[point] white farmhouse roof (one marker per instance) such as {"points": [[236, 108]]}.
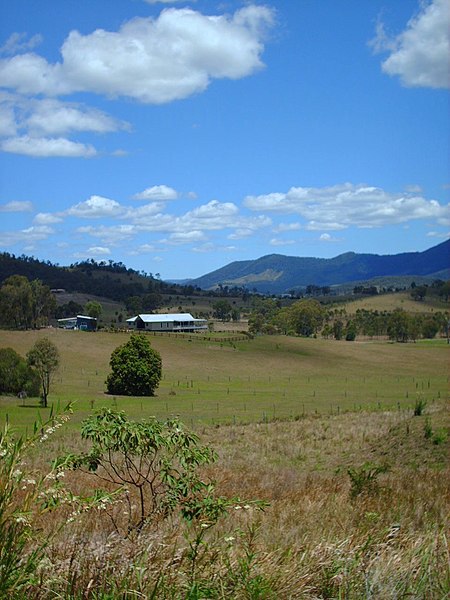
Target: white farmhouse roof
{"points": [[164, 318]]}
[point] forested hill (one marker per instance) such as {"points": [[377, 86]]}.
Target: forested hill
{"points": [[275, 273], [109, 280]]}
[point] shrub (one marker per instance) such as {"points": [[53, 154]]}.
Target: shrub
{"points": [[364, 478], [419, 407], [155, 463], [136, 368]]}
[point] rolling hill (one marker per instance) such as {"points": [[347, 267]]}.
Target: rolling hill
{"points": [[278, 274]]}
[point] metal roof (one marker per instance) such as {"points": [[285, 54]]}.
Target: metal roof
{"points": [[164, 318]]}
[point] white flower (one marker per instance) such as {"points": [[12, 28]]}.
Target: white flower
{"points": [[229, 539]]}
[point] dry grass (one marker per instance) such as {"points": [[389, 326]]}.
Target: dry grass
{"points": [[315, 540], [390, 302]]}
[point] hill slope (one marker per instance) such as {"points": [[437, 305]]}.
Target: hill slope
{"points": [[277, 274]]}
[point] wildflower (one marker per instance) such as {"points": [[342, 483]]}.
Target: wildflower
{"points": [[237, 507], [229, 539], [247, 507]]}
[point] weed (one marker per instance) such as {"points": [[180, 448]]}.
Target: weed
{"points": [[419, 406], [363, 479]]}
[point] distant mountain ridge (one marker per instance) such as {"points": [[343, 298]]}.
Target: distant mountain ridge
{"points": [[278, 274]]}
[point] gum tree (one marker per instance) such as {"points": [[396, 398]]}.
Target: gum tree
{"points": [[44, 358]]}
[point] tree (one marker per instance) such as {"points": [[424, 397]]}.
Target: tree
{"points": [[16, 301], [43, 303], [136, 368], [306, 316], [222, 310], [44, 357], [399, 325], [15, 375], [93, 308]]}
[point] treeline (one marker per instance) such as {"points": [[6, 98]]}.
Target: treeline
{"points": [[25, 304], [308, 317], [110, 280]]}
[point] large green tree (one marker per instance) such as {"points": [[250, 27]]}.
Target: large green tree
{"points": [[306, 317], [23, 304], [93, 309], [16, 302], [44, 357], [16, 375], [135, 368]]}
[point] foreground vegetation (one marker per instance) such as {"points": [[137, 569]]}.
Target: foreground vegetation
{"points": [[346, 442]]}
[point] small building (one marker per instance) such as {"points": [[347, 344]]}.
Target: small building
{"points": [[178, 322], [81, 322]]}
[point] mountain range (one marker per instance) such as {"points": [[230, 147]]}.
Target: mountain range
{"points": [[278, 274]]}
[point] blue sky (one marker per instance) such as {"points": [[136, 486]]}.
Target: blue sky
{"points": [[179, 136]]}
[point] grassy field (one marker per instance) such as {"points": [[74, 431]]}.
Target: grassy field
{"points": [[290, 420], [269, 377], [390, 302]]}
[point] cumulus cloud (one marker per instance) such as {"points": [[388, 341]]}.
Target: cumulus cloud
{"points": [[46, 219], [27, 124], [341, 206], [420, 54], [157, 192], [47, 147], [109, 234], [29, 235], [16, 206], [186, 237], [52, 117], [151, 60], [96, 207], [326, 237]]}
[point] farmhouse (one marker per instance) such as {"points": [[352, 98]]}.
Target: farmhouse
{"points": [[79, 322], [168, 322]]}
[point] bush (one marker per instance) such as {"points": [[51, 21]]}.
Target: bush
{"points": [[15, 375], [136, 368]]}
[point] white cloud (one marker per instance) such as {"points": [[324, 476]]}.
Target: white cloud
{"points": [[157, 192], [16, 206], [8, 125], [186, 237], [144, 249], [29, 235], [341, 206], [47, 147], [46, 218], [52, 117], [96, 207], [109, 235], [278, 242], [210, 247], [28, 122], [326, 237], [150, 60], [98, 250], [438, 234], [420, 54], [287, 227], [241, 234], [18, 42], [142, 213]]}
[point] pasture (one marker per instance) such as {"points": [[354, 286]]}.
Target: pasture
{"points": [[300, 423], [207, 382]]}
